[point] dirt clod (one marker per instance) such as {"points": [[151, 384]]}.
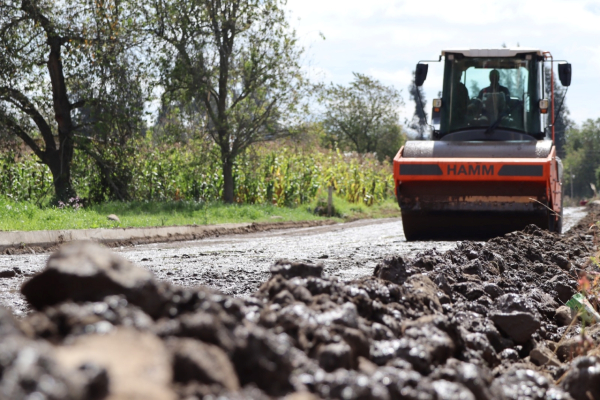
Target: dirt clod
{"points": [[516, 317], [7, 273], [87, 272], [197, 361], [542, 355], [288, 269], [564, 316], [583, 380]]}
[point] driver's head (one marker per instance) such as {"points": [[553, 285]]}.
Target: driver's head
{"points": [[494, 77]]}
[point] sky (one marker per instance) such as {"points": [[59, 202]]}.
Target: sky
{"points": [[386, 38]]}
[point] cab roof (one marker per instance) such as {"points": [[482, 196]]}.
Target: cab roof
{"points": [[503, 52]]}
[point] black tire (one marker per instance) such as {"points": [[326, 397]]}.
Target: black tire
{"points": [[453, 225], [559, 224], [553, 224], [409, 226]]}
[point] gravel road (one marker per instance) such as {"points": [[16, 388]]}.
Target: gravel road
{"points": [[238, 264]]}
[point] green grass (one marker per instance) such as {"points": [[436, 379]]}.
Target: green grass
{"points": [[27, 216]]}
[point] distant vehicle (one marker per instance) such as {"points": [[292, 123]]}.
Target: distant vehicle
{"points": [[491, 166]]}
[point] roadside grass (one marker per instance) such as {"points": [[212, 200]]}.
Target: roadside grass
{"points": [[27, 216]]}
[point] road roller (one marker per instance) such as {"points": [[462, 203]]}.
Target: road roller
{"points": [[490, 166]]}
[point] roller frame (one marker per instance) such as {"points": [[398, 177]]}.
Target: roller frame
{"points": [[447, 194]]}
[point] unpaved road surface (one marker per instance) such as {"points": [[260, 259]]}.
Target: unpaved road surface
{"points": [[238, 264]]}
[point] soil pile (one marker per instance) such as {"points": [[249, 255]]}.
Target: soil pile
{"points": [[481, 321]]}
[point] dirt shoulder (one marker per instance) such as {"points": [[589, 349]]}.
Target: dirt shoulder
{"points": [[20, 242]]}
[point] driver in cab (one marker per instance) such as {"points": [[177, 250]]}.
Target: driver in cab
{"points": [[495, 86], [493, 99]]}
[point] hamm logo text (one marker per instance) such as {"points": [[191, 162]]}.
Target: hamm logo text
{"points": [[470, 170]]}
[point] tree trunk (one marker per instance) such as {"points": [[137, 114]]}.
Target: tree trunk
{"points": [[60, 166], [228, 181], [60, 160], [58, 152]]}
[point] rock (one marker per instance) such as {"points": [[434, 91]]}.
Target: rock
{"points": [[113, 217], [564, 316], [424, 291], [477, 379], [583, 379], [516, 317], [571, 348], [481, 345], [542, 355], [348, 384], [265, 359], [473, 322], [366, 367], [84, 271], [301, 396], [8, 324], [526, 384], [393, 269], [544, 303], [335, 355], [438, 343], [97, 383], [284, 298], [446, 390], [75, 319], [426, 262], [509, 354], [564, 287], [403, 383], [302, 294], [247, 393], [493, 290], [199, 325], [201, 362], [426, 348], [138, 364], [30, 371], [289, 269], [471, 290], [561, 261], [7, 273]]}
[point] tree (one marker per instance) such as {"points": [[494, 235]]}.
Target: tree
{"points": [[51, 62], [562, 123], [363, 115], [419, 119], [582, 158], [239, 59], [390, 142], [110, 122]]}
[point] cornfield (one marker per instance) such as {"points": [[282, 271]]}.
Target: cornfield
{"points": [[277, 174]]}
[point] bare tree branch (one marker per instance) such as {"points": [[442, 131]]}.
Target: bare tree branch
{"points": [[25, 105]]}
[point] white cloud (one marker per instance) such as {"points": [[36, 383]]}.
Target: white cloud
{"points": [[386, 38]]}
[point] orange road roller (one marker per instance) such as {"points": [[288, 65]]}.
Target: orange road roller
{"points": [[491, 166]]}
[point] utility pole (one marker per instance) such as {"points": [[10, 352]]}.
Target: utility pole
{"points": [[572, 177], [330, 201]]}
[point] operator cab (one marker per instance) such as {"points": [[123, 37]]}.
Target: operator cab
{"points": [[491, 95]]}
